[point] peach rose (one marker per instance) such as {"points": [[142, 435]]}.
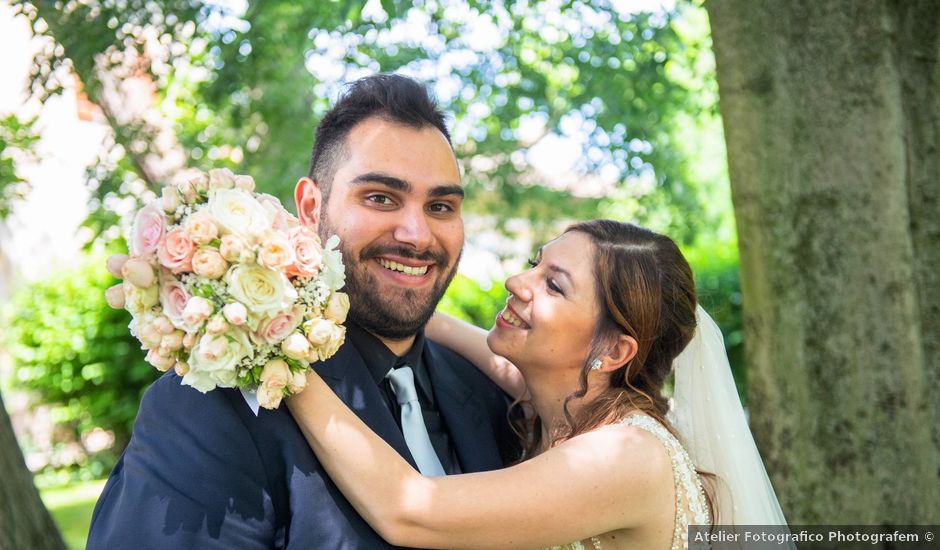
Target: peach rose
{"points": [[245, 183], [207, 262], [338, 307], [115, 296], [176, 251], [308, 254], [234, 249], [275, 251], [216, 325], [274, 378], [159, 361], [298, 383], [201, 228], [197, 310], [270, 398], [149, 225], [181, 368], [221, 178], [187, 192], [138, 272], [116, 264]]}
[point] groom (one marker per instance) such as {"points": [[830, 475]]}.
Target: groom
{"points": [[204, 471]]}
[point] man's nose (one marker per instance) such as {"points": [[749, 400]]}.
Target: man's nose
{"points": [[413, 229]]}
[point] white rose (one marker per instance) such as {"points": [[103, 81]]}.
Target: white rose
{"points": [[263, 292], [238, 213], [212, 362]]}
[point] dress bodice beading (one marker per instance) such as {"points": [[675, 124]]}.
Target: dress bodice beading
{"points": [[691, 505]]}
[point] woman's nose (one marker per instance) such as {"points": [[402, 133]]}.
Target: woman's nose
{"points": [[518, 285]]}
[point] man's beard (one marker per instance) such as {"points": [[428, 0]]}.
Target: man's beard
{"points": [[397, 313]]}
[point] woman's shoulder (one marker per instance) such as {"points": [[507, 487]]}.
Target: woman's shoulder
{"points": [[630, 449]]}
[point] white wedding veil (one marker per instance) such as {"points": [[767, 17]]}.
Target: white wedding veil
{"points": [[709, 418]]}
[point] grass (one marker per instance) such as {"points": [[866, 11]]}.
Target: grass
{"points": [[71, 507]]}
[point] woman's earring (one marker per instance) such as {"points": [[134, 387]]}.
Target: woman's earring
{"points": [[596, 364]]}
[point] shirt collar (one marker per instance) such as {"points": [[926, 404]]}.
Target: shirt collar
{"points": [[380, 360]]}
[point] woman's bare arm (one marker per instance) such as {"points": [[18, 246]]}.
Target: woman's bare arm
{"points": [[470, 342], [612, 478]]}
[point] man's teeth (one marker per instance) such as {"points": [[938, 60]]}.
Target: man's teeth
{"points": [[408, 270], [513, 320]]}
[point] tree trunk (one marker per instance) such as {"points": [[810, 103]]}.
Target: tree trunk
{"points": [[24, 521], [831, 112]]}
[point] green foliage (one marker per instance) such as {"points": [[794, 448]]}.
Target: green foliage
{"points": [[246, 90], [466, 300], [17, 139], [717, 280], [76, 353]]}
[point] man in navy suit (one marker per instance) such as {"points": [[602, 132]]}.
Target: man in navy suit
{"points": [[205, 471]]}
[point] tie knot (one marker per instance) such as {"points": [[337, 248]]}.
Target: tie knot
{"points": [[403, 384]]}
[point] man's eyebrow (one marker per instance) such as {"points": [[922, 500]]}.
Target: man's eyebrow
{"points": [[447, 190], [383, 179]]}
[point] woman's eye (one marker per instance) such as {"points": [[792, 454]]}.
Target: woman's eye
{"points": [[554, 288]]}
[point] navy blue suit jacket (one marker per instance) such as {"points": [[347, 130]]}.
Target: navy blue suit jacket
{"points": [[202, 471]]}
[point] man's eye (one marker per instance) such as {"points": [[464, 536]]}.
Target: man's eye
{"points": [[441, 207], [379, 199]]}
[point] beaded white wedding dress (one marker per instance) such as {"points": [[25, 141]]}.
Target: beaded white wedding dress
{"points": [[691, 508]]}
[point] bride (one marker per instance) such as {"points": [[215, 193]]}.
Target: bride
{"points": [[586, 341]]}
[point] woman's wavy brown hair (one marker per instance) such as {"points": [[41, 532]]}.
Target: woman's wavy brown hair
{"points": [[645, 289]]}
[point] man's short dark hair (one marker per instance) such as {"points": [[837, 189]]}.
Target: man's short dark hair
{"points": [[393, 97]]}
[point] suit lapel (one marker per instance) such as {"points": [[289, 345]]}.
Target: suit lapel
{"points": [[465, 415], [346, 373]]}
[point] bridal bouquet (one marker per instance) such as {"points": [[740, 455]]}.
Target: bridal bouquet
{"points": [[228, 288]]}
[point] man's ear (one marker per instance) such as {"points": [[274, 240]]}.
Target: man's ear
{"points": [[309, 201], [623, 350]]}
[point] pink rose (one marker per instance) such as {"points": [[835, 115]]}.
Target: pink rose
{"points": [[164, 325], [149, 225], [280, 216], [275, 252], [176, 251], [187, 192], [308, 254], [278, 328], [172, 342], [209, 263], [235, 313], [212, 347], [201, 228], [173, 296]]}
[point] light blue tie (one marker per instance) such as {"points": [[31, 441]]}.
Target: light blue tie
{"points": [[412, 422]]}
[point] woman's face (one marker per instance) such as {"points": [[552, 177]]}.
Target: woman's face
{"points": [[550, 316]]}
